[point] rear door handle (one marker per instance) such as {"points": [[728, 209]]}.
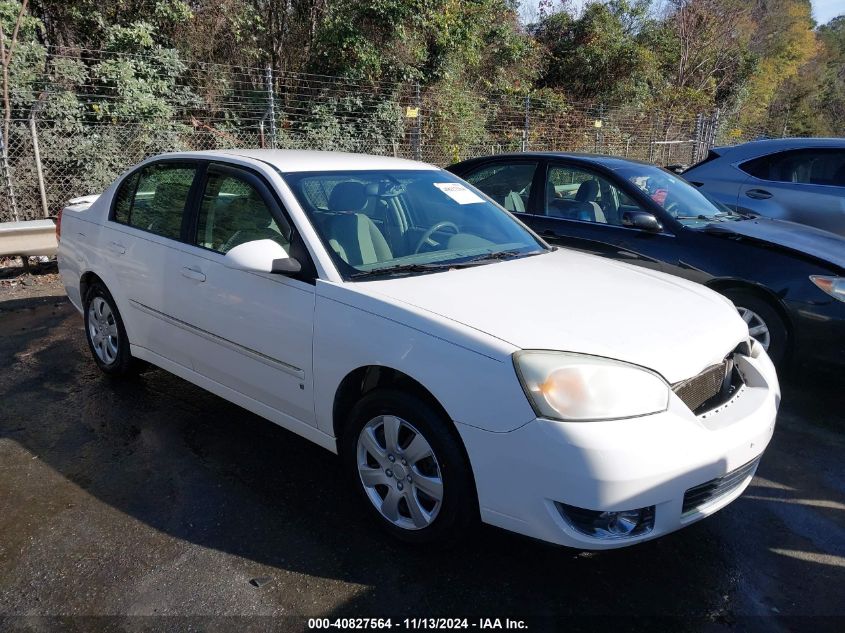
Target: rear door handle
{"points": [[549, 233], [758, 194], [193, 273], [115, 247]]}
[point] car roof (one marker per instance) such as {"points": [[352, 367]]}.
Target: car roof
{"points": [[610, 162], [768, 146], [290, 160]]}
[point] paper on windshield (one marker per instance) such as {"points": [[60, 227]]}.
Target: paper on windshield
{"points": [[458, 192]]}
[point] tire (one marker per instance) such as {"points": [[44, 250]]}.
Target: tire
{"points": [[442, 522], [106, 334], [758, 313]]}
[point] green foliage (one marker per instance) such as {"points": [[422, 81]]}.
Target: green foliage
{"points": [[812, 102], [599, 55], [425, 40], [336, 123]]}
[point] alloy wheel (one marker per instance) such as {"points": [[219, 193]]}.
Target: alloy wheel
{"points": [[757, 327], [400, 472]]}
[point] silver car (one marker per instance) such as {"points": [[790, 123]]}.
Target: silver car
{"points": [[796, 179]]}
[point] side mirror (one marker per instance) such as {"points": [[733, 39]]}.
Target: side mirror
{"points": [[641, 220], [262, 256]]}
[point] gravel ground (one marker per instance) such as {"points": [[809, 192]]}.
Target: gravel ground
{"points": [[155, 498]]}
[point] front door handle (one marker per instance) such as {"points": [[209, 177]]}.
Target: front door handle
{"points": [[118, 248], [549, 233], [193, 273], [758, 194]]}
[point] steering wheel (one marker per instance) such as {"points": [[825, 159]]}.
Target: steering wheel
{"points": [[672, 208], [426, 238]]}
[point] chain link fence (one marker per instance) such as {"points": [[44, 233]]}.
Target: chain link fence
{"points": [[83, 131]]}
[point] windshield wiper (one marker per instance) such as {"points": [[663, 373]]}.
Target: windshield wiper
{"points": [[398, 270], [487, 257], [434, 267]]}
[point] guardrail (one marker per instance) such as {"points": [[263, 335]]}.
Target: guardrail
{"points": [[28, 238]]}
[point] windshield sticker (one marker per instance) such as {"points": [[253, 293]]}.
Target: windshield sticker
{"points": [[458, 192]]}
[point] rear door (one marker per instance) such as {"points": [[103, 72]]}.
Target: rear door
{"points": [[249, 331], [802, 185], [144, 229]]}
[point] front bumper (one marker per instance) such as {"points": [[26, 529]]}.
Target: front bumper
{"points": [[523, 476]]}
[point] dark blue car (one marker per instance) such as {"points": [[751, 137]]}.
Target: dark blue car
{"points": [[786, 279]]}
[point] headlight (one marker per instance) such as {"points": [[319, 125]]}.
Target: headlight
{"points": [[834, 286], [576, 387]]}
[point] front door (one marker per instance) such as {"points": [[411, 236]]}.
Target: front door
{"points": [[248, 331], [584, 210]]}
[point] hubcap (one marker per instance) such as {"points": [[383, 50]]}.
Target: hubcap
{"points": [[757, 327], [399, 472], [102, 330]]}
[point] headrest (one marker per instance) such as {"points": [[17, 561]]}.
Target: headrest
{"points": [[348, 197], [587, 191]]}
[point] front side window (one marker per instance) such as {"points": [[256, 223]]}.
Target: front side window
{"points": [[575, 193], [381, 222], [676, 196], [154, 199], [233, 212], [807, 166], [508, 183]]}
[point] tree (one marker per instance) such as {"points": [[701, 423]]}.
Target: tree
{"points": [[703, 50], [7, 52], [784, 42], [599, 55], [812, 101]]}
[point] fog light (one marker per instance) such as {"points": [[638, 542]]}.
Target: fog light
{"points": [[609, 525]]}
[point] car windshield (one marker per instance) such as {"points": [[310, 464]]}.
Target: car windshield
{"points": [[677, 197], [377, 223]]}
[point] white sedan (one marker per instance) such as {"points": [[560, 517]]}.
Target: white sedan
{"points": [[461, 367]]}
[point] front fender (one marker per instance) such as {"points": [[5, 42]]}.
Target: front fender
{"points": [[476, 386]]}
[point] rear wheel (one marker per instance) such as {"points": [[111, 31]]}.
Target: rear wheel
{"points": [[407, 467], [106, 335], [764, 323]]}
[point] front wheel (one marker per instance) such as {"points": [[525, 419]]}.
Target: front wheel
{"points": [[764, 323], [406, 464]]}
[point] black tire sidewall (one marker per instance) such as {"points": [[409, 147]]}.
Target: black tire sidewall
{"points": [[123, 364], [459, 510], [779, 336]]}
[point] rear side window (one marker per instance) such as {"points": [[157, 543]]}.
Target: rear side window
{"points": [[759, 167], [123, 199], [154, 199], [806, 166], [509, 184]]}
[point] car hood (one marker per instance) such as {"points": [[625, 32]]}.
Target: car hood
{"points": [[570, 301], [800, 238]]}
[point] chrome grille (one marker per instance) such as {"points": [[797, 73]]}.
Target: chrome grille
{"points": [[714, 489], [698, 390]]}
